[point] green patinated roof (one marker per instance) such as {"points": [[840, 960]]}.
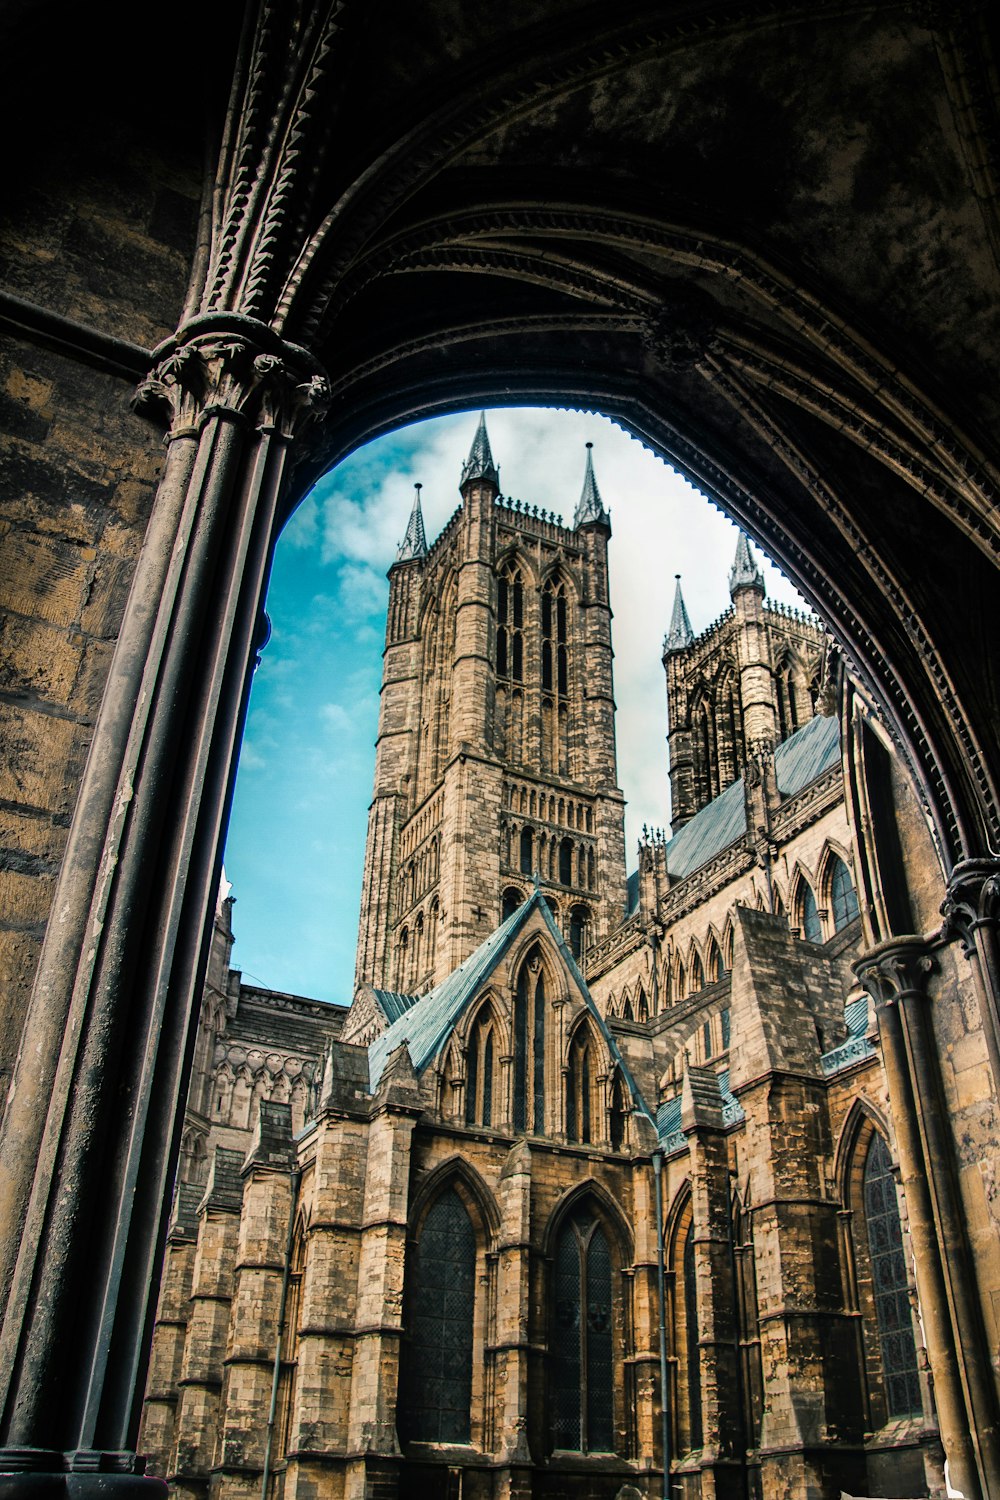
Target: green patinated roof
{"points": [[798, 761], [424, 1026]]}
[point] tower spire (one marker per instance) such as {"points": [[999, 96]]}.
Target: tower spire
{"points": [[479, 464], [591, 507], [680, 635], [745, 574], [414, 544]]}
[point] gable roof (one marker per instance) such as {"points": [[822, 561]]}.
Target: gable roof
{"points": [[798, 761], [424, 1027]]}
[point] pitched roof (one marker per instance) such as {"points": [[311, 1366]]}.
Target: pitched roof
{"points": [[806, 754], [798, 761], [392, 1004], [424, 1027]]}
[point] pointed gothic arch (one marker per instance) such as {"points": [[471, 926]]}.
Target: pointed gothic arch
{"points": [[683, 1326], [878, 1278]]}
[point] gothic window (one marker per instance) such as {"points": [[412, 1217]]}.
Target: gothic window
{"points": [[726, 1027], [579, 916], [555, 674], [401, 957], [686, 1405], [529, 1048], [616, 1114], [641, 1005], [706, 1038], [890, 1292], [526, 851], [432, 927], [510, 623], [716, 969], [511, 900], [627, 1014], [285, 1404], [697, 975], [436, 1374], [681, 986], [580, 1080], [479, 1071], [566, 862], [749, 1327], [843, 900], [581, 1349], [788, 709], [812, 928], [729, 734]]}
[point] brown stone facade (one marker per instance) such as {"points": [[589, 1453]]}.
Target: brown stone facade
{"points": [[422, 1234]]}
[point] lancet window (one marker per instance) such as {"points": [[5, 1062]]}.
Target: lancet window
{"points": [[889, 1287], [581, 1077], [436, 1374], [555, 676], [686, 1405], [579, 918], [581, 1347], [843, 898], [510, 623], [529, 1048], [481, 1054], [812, 927]]}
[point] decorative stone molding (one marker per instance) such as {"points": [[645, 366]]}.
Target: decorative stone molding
{"points": [[236, 366], [896, 970], [682, 334], [973, 900]]}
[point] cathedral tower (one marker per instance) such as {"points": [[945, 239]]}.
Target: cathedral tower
{"points": [[740, 688], [495, 759]]}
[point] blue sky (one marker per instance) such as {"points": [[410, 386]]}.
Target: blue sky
{"points": [[296, 841]]}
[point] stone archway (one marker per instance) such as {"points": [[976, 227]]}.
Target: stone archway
{"points": [[696, 218]]}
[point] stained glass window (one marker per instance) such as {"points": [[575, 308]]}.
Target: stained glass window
{"points": [[436, 1377], [811, 927], [582, 1362], [520, 1051], [889, 1284], [843, 899], [692, 1351], [538, 1101]]}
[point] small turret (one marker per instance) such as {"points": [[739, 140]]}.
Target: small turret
{"points": [[590, 510], [680, 635], [414, 544], [479, 465], [745, 574]]}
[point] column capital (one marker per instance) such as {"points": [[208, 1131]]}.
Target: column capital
{"points": [[897, 969], [973, 900], [237, 366]]}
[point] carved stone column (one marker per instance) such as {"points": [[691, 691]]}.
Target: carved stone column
{"points": [[89, 1138], [972, 914], [896, 974]]}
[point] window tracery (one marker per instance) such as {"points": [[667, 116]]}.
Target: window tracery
{"points": [[581, 1348]]}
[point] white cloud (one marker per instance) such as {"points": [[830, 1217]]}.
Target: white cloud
{"points": [[317, 750]]}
